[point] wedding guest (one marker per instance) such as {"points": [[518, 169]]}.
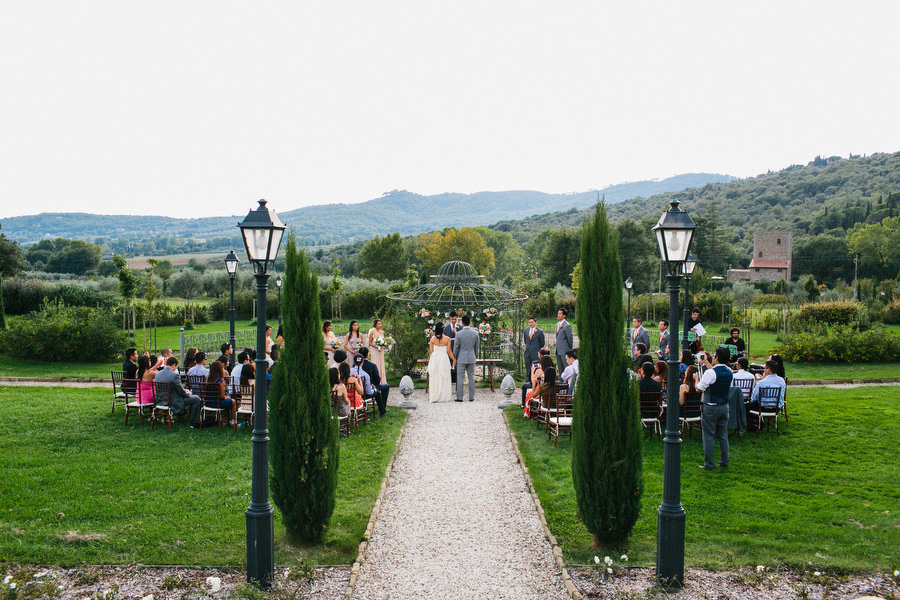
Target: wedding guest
{"points": [[647, 383], [381, 388], [279, 336], [242, 359], [779, 365], [376, 354], [770, 380], [199, 367], [269, 341], [529, 383], [330, 341], [148, 366], [691, 377], [221, 399], [640, 355], [662, 374], [353, 341], [181, 398], [129, 370], [226, 349], [190, 359], [352, 383], [340, 401], [570, 374], [248, 374], [687, 359]]}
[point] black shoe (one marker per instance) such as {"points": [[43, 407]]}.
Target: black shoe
{"points": [[471, 399], [458, 400], [705, 467]]}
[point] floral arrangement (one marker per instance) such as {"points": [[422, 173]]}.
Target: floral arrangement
{"points": [[490, 312], [357, 345], [484, 328], [423, 313], [384, 343], [429, 331], [335, 345], [460, 313]]}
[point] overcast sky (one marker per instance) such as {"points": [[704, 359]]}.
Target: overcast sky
{"points": [[190, 109]]}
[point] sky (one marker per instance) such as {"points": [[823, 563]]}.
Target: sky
{"points": [[190, 109]]}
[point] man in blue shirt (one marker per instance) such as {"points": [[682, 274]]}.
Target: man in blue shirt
{"points": [[769, 380], [715, 385]]}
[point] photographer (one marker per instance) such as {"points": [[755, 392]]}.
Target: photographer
{"points": [[715, 383]]}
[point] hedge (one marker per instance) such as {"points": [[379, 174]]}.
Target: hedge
{"points": [[842, 344]]}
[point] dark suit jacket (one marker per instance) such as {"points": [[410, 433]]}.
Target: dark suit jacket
{"points": [[648, 384], [532, 346], [372, 370], [450, 332]]}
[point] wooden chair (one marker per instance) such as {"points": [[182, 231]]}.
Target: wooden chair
{"points": [[783, 409], [244, 406], [343, 422], [767, 412], [561, 420], [210, 403], [134, 405], [746, 386], [547, 399], [690, 412], [651, 409], [195, 384], [162, 397], [121, 394]]}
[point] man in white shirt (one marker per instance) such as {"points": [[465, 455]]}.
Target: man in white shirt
{"points": [[242, 359], [571, 372], [715, 385], [743, 373]]}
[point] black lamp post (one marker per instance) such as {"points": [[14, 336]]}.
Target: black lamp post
{"points": [[262, 231], [673, 233], [278, 283], [628, 285], [687, 268], [231, 265]]}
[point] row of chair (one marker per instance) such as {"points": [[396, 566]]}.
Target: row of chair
{"points": [[553, 410], [355, 415]]}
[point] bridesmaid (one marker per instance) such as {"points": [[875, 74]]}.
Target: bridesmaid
{"points": [[376, 354], [330, 341], [353, 341]]}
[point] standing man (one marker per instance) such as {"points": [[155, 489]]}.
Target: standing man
{"points": [[663, 352], [639, 335], [450, 330], [715, 385], [465, 349], [564, 341], [534, 341]]}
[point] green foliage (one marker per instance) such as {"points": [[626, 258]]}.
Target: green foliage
{"points": [[385, 258], [831, 313], [508, 255], [64, 256], [711, 304], [64, 333], [637, 252], [305, 450], [606, 428], [465, 244], [841, 343], [560, 255], [811, 288], [824, 256], [128, 281], [888, 315], [878, 246], [12, 258], [21, 296], [2, 309], [412, 342]]}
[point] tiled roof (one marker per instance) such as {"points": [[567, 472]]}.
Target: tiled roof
{"points": [[761, 263]]}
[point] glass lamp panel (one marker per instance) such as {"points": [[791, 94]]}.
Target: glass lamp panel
{"points": [[257, 242]]}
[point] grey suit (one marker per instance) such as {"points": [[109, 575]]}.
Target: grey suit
{"points": [[564, 343], [664, 345], [533, 345], [180, 397], [465, 349], [640, 335]]}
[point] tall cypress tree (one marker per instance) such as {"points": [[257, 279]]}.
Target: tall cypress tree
{"points": [[606, 429], [305, 439]]}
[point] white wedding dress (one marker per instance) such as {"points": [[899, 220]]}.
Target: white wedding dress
{"points": [[439, 387]]}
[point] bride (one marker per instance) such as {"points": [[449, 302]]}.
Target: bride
{"points": [[440, 355]]}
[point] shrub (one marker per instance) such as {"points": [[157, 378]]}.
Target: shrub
{"points": [[889, 314], [841, 344], [21, 296], [60, 333], [710, 304], [833, 313]]}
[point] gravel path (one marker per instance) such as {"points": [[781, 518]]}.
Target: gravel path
{"points": [[456, 520]]}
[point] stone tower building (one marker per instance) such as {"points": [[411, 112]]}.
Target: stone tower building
{"points": [[771, 258]]}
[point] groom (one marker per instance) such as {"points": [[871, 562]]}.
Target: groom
{"points": [[465, 349]]}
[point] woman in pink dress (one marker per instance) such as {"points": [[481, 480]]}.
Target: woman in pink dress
{"points": [[376, 354], [146, 375]]}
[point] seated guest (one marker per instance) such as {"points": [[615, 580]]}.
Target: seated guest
{"points": [[779, 365], [180, 397], [742, 372], [769, 380], [640, 354], [736, 341], [352, 383], [199, 367], [146, 374], [546, 382], [217, 377], [279, 336], [190, 359], [528, 385], [365, 379], [248, 374], [340, 402], [227, 349], [130, 367], [381, 389], [164, 354], [223, 358], [242, 359], [661, 371], [691, 378], [339, 357], [687, 359], [570, 374], [647, 383]]}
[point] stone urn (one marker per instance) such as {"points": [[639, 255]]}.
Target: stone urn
{"points": [[406, 390], [508, 387]]}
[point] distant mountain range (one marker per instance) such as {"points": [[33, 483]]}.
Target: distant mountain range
{"points": [[398, 210]]}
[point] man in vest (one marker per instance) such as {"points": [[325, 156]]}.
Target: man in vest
{"points": [[715, 385]]}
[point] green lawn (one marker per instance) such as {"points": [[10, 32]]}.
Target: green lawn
{"points": [[79, 486], [824, 492]]}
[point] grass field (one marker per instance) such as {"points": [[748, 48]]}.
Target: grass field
{"points": [[824, 492], [79, 486]]}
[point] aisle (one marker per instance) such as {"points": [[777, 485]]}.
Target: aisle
{"points": [[457, 520]]}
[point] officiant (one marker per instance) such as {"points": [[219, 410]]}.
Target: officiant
{"points": [[450, 330], [694, 325]]}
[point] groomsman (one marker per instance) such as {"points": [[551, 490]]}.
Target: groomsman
{"points": [[534, 341], [639, 334], [450, 330], [663, 352], [564, 341]]}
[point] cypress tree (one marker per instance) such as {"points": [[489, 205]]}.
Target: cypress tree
{"points": [[2, 309], [305, 439], [606, 428]]}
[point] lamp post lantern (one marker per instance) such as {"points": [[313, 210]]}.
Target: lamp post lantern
{"points": [[687, 268], [231, 265], [673, 234], [278, 283], [628, 285], [262, 231]]}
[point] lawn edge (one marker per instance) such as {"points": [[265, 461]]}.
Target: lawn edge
{"points": [[376, 510], [555, 549]]}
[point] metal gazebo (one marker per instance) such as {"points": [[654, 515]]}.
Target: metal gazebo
{"points": [[458, 286]]}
